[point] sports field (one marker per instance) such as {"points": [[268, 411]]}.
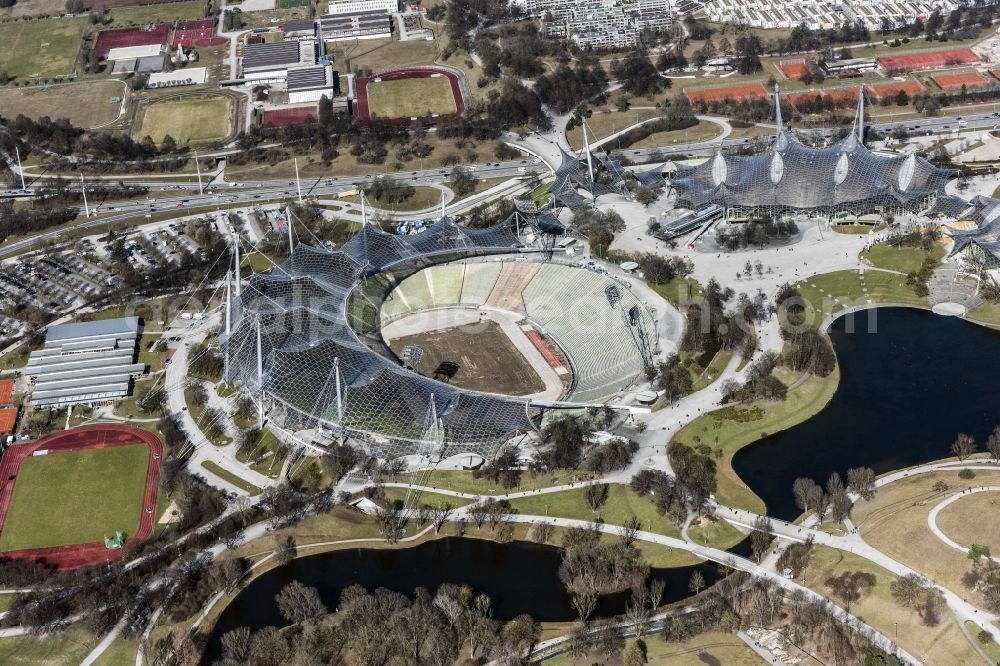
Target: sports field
{"points": [[88, 104], [404, 98], [40, 48], [479, 357], [192, 119], [76, 497]]}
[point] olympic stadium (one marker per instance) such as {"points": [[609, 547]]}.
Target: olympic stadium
{"points": [[305, 340]]}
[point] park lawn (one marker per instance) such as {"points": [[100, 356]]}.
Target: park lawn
{"points": [[226, 475], [121, 652], [464, 482], [607, 120], [679, 291], [40, 49], [895, 522], [973, 519], [901, 259], [622, 504], [76, 497], [436, 500], [987, 313], [714, 369], [380, 55], [62, 648], [943, 644], [729, 436], [403, 98], [715, 534], [992, 648], [154, 360], [423, 198], [87, 104], [197, 119], [713, 647], [702, 131], [158, 13], [832, 293]]}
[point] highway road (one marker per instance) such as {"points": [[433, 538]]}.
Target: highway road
{"points": [[247, 194]]}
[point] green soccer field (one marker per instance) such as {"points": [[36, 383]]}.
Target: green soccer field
{"points": [[76, 497], [403, 98], [41, 48]]}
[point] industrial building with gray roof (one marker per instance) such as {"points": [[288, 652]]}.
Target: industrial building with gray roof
{"points": [[85, 363]]}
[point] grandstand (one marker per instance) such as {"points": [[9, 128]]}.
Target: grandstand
{"points": [[567, 303]]}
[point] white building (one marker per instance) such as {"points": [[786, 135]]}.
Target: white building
{"points": [[189, 76], [134, 52], [361, 6], [309, 84]]}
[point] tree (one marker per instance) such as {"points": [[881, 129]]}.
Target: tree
{"points": [[963, 446], [584, 604], [697, 582], [236, 645], [907, 590], [760, 537], [462, 182], [597, 495], [850, 586], [861, 480], [299, 603], [808, 494], [977, 552], [993, 444], [635, 653]]}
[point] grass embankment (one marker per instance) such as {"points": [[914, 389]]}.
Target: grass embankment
{"points": [[65, 648], [973, 519], [76, 497], [895, 522], [423, 198], [728, 430], [714, 647], [944, 643], [226, 475], [901, 258], [465, 482], [833, 293]]}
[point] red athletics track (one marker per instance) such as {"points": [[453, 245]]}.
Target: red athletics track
{"points": [[85, 437], [362, 111]]}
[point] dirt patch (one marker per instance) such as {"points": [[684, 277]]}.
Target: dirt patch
{"points": [[479, 357]]}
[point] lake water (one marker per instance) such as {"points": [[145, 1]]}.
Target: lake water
{"points": [[520, 577], [905, 392]]}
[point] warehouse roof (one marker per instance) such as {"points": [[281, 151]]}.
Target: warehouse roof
{"points": [[273, 54], [308, 78], [85, 362]]}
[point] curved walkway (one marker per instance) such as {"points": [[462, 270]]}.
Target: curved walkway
{"points": [[932, 516]]}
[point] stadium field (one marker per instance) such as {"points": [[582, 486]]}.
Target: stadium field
{"points": [[192, 119], [404, 98], [40, 49], [87, 104], [76, 497], [479, 357]]}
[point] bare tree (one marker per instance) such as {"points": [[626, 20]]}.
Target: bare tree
{"points": [[963, 446], [298, 603], [697, 582], [808, 494], [760, 537], [629, 532], [993, 444], [584, 604], [596, 495], [439, 516], [861, 480]]}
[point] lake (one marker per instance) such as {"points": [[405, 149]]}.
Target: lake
{"points": [[906, 390]]}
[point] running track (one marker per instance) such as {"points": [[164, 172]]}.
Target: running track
{"points": [[363, 112], [78, 439]]}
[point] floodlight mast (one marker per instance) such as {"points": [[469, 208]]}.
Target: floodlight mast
{"points": [[83, 189], [260, 380], [298, 185], [20, 171], [288, 222]]}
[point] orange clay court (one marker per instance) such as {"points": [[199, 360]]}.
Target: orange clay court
{"points": [[6, 389], [839, 94], [8, 417], [734, 92], [956, 80], [793, 69], [893, 88]]}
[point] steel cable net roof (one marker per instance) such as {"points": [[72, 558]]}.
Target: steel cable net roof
{"points": [[301, 309], [984, 212], [573, 174], [845, 176]]}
